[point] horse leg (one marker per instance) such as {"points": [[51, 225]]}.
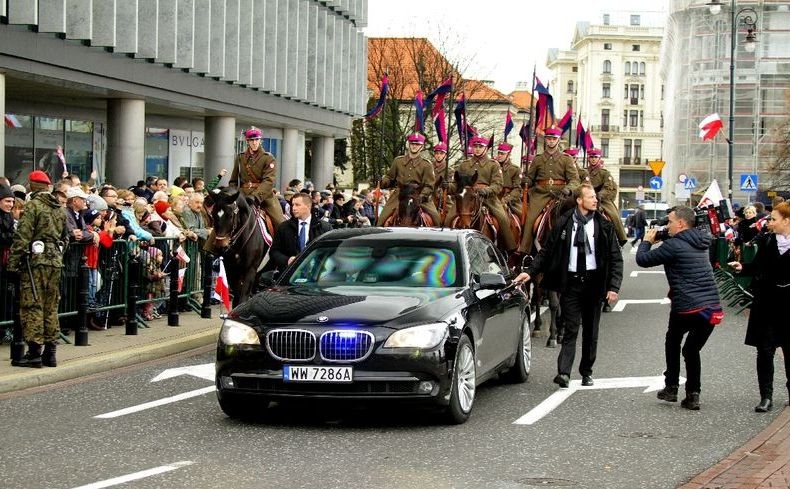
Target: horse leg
{"points": [[555, 334], [537, 298]]}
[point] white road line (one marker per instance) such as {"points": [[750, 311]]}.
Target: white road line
{"points": [[620, 306], [637, 272], [160, 402], [136, 476], [545, 407]]}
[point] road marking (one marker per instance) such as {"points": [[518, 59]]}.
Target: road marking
{"points": [[651, 384], [153, 404], [204, 371], [136, 476], [637, 272], [624, 302]]}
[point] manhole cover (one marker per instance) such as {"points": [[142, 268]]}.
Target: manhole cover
{"points": [[546, 482]]}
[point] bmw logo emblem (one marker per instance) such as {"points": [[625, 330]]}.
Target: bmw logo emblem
{"points": [[322, 319]]}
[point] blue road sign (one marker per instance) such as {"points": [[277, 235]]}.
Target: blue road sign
{"points": [[690, 183], [748, 182], [656, 183]]}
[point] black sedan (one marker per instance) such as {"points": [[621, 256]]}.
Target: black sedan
{"points": [[379, 313]]}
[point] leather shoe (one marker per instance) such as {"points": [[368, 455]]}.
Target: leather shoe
{"points": [[764, 406], [587, 380], [562, 380]]}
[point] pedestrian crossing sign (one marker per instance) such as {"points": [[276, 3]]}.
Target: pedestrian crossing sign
{"points": [[749, 182], [690, 183]]}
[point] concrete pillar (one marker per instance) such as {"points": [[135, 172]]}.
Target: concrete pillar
{"points": [[323, 161], [289, 164], [125, 141], [220, 146], [2, 128]]}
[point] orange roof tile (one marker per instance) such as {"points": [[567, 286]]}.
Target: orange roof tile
{"points": [[521, 99]]}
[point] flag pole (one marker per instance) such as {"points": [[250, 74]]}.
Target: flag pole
{"points": [[443, 213], [525, 168]]}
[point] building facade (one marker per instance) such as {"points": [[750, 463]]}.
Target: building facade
{"points": [[131, 88], [696, 64], [610, 76]]}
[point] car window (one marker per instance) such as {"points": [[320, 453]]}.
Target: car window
{"points": [[481, 259], [400, 265]]}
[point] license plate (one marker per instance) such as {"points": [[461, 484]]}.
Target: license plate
{"points": [[294, 373]]}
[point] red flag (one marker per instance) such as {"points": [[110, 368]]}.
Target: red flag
{"points": [[710, 126], [221, 286]]}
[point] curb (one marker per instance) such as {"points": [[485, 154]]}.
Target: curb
{"points": [[104, 362]]}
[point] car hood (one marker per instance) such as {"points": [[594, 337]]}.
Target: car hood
{"points": [[348, 305]]}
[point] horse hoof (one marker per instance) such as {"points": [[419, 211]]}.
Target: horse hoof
{"points": [[551, 344]]}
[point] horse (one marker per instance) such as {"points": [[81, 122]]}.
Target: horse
{"points": [[470, 211], [410, 213], [542, 228], [239, 239]]}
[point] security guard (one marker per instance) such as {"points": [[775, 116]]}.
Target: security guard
{"points": [[488, 186], [551, 175], [406, 169], [442, 173], [254, 171], [606, 191], [37, 256], [511, 179]]}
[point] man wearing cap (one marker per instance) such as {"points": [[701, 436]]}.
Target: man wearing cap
{"points": [[36, 255], [606, 191], [406, 169], [488, 185], [551, 175], [254, 172], [442, 173], [511, 180], [574, 153]]}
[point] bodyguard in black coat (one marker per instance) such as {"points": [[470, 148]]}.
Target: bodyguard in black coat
{"points": [[286, 245]]}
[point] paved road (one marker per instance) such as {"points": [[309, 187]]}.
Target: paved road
{"points": [[614, 438]]}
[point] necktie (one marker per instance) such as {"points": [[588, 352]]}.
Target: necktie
{"points": [[302, 235], [581, 252]]}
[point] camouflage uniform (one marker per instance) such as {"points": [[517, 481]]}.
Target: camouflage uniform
{"points": [[404, 171], [254, 173], [489, 174], [511, 187], [606, 191], [43, 220], [547, 175]]}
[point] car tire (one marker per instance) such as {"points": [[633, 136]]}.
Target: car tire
{"points": [[462, 391], [237, 406], [519, 372]]}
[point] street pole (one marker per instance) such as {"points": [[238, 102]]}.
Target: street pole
{"points": [[731, 128]]}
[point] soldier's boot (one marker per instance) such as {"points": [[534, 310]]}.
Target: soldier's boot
{"points": [[48, 357], [32, 358]]}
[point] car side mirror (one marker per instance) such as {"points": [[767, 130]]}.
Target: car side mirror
{"points": [[267, 279], [492, 281]]}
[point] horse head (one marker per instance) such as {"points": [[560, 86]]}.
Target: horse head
{"points": [[408, 204], [229, 214], [468, 203]]}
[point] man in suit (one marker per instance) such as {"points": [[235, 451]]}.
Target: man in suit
{"points": [[582, 261], [293, 235]]}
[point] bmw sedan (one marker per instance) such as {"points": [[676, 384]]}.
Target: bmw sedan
{"points": [[403, 314]]}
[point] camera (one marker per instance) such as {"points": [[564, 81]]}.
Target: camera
{"points": [[662, 233]]}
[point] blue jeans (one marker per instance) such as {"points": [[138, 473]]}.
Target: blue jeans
{"points": [[93, 279]]}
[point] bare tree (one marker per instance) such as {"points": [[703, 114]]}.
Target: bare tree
{"points": [[778, 157]]}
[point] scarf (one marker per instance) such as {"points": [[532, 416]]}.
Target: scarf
{"points": [[581, 241], [783, 243]]}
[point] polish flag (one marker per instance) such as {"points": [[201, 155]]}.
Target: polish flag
{"points": [[221, 287], [709, 127], [712, 196], [182, 256], [11, 120]]}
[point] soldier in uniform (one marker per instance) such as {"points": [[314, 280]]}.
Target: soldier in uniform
{"points": [[511, 180], [37, 256], [551, 175], [254, 172], [406, 169], [442, 174], [488, 186], [606, 191], [574, 153]]}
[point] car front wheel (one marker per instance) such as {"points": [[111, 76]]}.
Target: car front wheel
{"points": [[519, 373], [462, 395]]}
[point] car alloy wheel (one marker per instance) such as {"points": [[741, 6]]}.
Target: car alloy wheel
{"points": [[462, 395], [519, 372]]}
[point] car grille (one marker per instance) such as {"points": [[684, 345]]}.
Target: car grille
{"points": [[291, 344], [363, 388], [345, 345]]}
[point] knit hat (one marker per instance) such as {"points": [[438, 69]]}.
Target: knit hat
{"points": [[19, 191], [161, 207], [90, 215], [5, 192]]}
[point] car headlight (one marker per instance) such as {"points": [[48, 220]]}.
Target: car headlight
{"points": [[236, 333], [423, 336]]}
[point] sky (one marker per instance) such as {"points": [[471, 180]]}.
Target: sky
{"points": [[498, 40]]}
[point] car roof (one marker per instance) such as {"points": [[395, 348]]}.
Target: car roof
{"points": [[422, 235]]}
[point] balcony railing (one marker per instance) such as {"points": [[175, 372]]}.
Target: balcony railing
{"points": [[634, 101], [625, 161], [605, 128]]}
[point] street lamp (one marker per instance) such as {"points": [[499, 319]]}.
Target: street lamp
{"points": [[749, 17]]}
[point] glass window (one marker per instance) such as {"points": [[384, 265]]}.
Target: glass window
{"points": [[79, 148], [570, 86], [633, 118], [635, 20], [604, 147], [18, 147], [642, 92], [634, 92], [635, 47], [607, 46], [156, 152], [482, 258], [641, 118], [607, 90], [625, 118], [627, 148], [637, 148], [642, 69], [49, 135], [605, 19], [607, 66], [625, 96], [605, 119], [627, 67]]}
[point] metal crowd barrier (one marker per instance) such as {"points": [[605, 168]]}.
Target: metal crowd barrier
{"points": [[734, 288]]}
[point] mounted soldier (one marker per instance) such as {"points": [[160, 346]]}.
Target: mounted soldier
{"points": [[511, 180], [441, 173], [606, 191]]}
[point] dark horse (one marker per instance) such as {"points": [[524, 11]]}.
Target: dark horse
{"points": [[469, 208], [239, 238], [542, 228], [410, 213]]}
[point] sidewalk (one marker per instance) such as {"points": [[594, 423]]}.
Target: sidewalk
{"points": [[112, 349]]}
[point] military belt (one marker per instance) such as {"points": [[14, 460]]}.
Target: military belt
{"points": [[551, 181]]}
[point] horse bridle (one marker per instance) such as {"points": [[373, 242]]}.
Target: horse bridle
{"points": [[474, 216], [235, 233]]}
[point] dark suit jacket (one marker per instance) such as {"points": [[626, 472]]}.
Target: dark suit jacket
{"points": [[286, 240]]}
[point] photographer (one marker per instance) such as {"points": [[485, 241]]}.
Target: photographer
{"points": [[695, 299]]}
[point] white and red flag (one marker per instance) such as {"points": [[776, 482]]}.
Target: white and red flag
{"points": [[712, 196], [221, 287], [710, 126], [11, 121]]}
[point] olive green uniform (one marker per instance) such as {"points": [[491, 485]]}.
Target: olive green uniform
{"points": [[489, 174], [511, 187], [403, 171], [43, 219], [255, 173], [541, 179], [606, 192], [439, 170]]}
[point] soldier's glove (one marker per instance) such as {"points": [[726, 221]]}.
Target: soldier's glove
{"points": [[566, 192], [482, 192]]}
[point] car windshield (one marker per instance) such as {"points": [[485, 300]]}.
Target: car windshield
{"points": [[377, 265]]}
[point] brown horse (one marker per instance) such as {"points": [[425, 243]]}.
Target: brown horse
{"points": [[410, 214], [470, 211]]}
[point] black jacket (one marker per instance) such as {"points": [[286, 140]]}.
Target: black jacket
{"points": [[687, 265], [553, 258], [286, 240]]}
